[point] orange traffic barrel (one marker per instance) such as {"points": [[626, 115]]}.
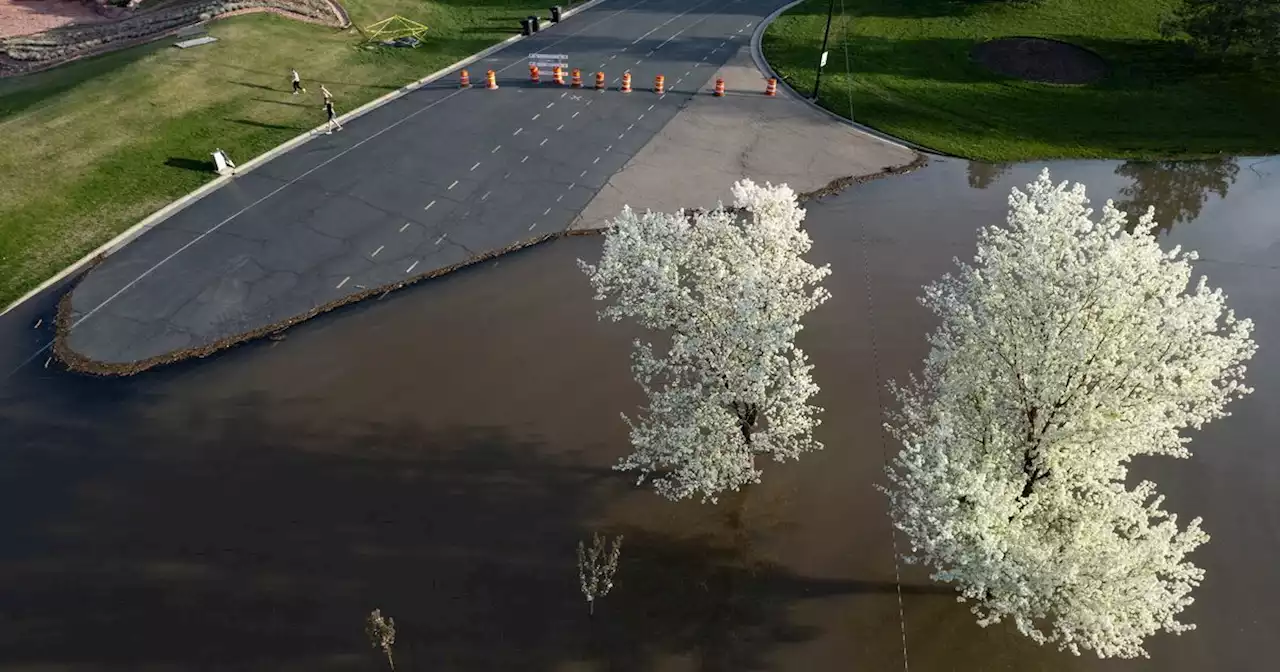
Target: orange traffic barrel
{"points": [[658, 84], [600, 81], [557, 75], [466, 80], [534, 75], [626, 82], [491, 80], [577, 78], [719, 86], [772, 88]]}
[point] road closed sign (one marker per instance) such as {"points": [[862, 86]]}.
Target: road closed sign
{"points": [[548, 61]]}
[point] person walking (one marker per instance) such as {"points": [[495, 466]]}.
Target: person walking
{"points": [[297, 83], [333, 117], [325, 92]]}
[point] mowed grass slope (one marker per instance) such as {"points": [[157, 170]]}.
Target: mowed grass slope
{"points": [[89, 149], [909, 74]]}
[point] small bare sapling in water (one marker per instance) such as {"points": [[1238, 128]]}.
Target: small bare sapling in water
{"points": [[596, 567], [382, 634]]}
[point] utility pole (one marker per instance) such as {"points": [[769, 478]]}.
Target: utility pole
{"points": [[831, 6]]}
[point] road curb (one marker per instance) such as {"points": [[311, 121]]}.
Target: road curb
{"points": [[151, 221], [757, 54]]}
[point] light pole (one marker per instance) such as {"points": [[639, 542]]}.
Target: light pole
{"points": [[825, 34]]}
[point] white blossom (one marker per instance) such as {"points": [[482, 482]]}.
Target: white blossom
{"points": [[729, 288], [1070, 347]]}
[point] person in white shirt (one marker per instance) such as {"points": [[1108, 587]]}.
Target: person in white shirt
{"points": [[297, 83]]}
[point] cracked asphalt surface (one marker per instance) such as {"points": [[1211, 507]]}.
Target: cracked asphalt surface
{"points": [[422, 183]]}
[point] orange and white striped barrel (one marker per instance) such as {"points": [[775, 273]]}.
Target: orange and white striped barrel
{"points": [[772, 88], [626, 82], [659, 85], [491, 80], [557, 75], [534, 75], [599, 81], [577, 78], [719, 87], [465, 81]]}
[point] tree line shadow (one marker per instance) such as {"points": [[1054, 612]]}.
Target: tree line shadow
{"points": [[140, 531]]}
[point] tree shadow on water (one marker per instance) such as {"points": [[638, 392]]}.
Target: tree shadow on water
{"points": [[232, 535]]}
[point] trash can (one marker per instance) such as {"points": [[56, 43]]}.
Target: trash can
{"points": [[526, 26], [555, 14], [536, 22]]}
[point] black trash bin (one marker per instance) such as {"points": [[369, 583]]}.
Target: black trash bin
{"points": [[526, 27], [536, 23], [555, 14]]}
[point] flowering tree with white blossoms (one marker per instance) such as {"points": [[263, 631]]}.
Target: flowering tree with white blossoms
{"points": [[1069, 347], [729, 287]]}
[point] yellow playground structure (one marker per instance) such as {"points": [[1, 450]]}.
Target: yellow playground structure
{"points": [[397, 31]]}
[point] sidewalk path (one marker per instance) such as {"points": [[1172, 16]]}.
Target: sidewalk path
{"points": [[444, 176]]}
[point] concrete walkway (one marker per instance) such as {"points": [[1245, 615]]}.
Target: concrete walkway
{"points": [[713, 142]]}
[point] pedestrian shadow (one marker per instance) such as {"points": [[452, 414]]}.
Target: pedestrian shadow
{"points": [[281, 102], [263, 124], [189, 164], [251, 85]]}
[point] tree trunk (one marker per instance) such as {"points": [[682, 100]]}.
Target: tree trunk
{"points": [[390, 661]]}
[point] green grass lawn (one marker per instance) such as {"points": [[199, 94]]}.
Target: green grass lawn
{"points": [[909, 75], [91, 148]]}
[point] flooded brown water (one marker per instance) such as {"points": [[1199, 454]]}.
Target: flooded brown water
{"points": [[438, 454]]}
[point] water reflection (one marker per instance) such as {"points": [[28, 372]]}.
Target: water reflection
{"points": [[1177, 189], [983, 175]]}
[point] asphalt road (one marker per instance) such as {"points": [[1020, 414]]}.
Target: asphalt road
{"points": [[425, 182]]}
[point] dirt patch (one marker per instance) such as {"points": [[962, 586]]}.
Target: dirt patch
{"points": [[1036, 59], [28, 17]]}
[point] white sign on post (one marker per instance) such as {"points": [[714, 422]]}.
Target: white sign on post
{"points": [[823, 62], [549, 61], [222, 162]]}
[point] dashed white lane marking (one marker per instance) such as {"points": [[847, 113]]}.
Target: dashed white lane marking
{"points": [[344, 281], [582, 174], [703, 58], [639, 62], [620, 135], [640, 117], [602, 65], [662, 96], [519, 129], [406, 225], [575, 114], [558, 199], [715, 50], [572, 184], [486, 195], [441, 238], [561, 126], [375, 252], [295, 180], [535, 117], [610, 147], [429, 205], [564, 94], [473, 168], [679, 80], [544, 141], [722, 43], [411, 267], [526, 158], [495, 149], [455, 183], [611, 57], [649, 54], [589, 103], [686, 72], [651, 108], [596, 161], [546, 212], [697, 65], [631, 127], [550, 104], [532, 225]]}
